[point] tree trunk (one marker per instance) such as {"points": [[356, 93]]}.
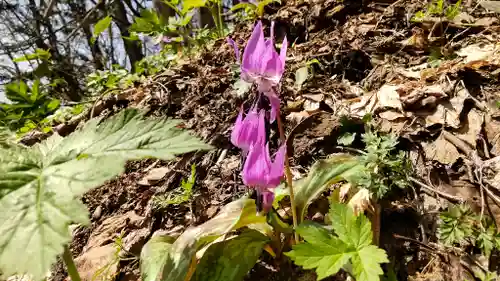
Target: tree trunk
{"points": [[132, 48]]}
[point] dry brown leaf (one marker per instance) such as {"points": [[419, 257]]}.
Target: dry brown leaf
{"points": [[360, 202], [479, 52], [388, 97], [441, 150], [414, 71], [391, 115], [472, 128], [492, 129]]}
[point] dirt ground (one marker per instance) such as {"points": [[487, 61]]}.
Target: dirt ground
{"points": [[368, 52]]}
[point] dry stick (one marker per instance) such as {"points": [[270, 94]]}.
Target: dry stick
{"points": [[451, 198], [288, 174]]}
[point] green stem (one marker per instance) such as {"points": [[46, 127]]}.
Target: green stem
{"points": [[288, 175], [70, 264], [219, 14]]}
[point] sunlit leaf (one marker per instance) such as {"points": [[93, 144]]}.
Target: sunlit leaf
{"points": [[102, 25], [232, 259], [301, 76], [233, 216], [188, 5], [40, 186]]}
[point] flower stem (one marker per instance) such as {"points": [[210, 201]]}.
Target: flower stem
{"points": [[70, 264], [288, 175]]}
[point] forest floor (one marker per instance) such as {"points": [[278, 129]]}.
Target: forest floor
{"points": [[434, 83]]}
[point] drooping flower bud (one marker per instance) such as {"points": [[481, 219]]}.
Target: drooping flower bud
{"points": [[259, 171], [249, 130]]}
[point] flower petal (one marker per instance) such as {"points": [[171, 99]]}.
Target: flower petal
{"points": [[253, 50], [274, 100], [235, 47], [284, 47]]}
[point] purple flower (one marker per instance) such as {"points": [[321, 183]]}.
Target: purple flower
{"points": [[249, 130], [259, 171], [262, 64], [263, 174], [235, 47]]}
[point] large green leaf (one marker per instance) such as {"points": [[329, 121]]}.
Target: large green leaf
{"points": [[153, 256], [230, 260], [327, 253], [322, 251], [40, 186], [322, 174], [178, 257]]}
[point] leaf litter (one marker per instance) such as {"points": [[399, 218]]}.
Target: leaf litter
{"points": [[373, 62]]}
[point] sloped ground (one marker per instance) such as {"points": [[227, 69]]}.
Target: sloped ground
{"points": [[372, 60]]}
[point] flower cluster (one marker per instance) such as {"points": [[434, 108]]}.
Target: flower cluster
{"points": [[262, 65]]}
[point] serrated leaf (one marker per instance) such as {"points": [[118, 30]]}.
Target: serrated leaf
{"points": [[351, 229], [322, 251], [327, 253], [128, 129], [366, 263], [230, 260], [40, 186], [233, 216], [101, 25]]}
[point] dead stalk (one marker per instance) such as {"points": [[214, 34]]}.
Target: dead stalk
{"points": [[288, 175]]}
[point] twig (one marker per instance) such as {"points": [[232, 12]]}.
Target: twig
{"points": [[451, 198]]}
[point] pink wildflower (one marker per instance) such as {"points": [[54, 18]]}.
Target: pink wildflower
{"points": [[249, 130]]}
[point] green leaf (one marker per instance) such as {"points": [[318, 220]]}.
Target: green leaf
{"points": [[242, 87], [241, 6], [101, 25], [347, 138], [153, 256], [262, 4], [40, 186], [366, 263], [327, 253], [233, 216], [322, 174], [232, 259], [322, 251], [188, 5], [301, 76], [352, 230]]}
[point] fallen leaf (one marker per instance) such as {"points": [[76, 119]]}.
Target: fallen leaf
{"points": [[441, 150], [472, 128], [478, 52], [492, 129], [154, 176], [360, 202], [491, 5], [98, 262], [388, 97]]}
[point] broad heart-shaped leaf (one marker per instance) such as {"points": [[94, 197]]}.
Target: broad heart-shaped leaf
{"points": [[322, 251], [322, 174], [40, 186], [230, 260], [178, 257], [153, 256]]}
